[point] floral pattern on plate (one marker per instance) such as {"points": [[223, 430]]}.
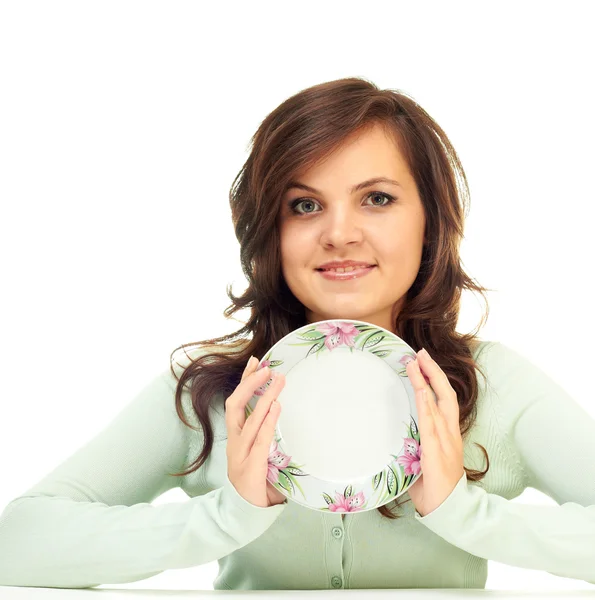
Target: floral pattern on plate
{"points": [[401, 469]]}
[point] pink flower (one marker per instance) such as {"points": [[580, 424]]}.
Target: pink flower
{"points": [[277, 460], [338, 334], [411, 458], [406, 359], [263, 388], [351, 504]]}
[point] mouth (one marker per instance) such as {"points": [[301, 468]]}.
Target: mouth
{"points": [[345, 274], [346, 269]]}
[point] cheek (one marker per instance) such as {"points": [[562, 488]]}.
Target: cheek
{"points": [[401, 248], [296, 246], [285, 243]]}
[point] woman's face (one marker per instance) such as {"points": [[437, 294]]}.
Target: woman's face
{"points": [[332, 222]]}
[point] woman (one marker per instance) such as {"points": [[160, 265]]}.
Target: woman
{"points": [[300, 202]]}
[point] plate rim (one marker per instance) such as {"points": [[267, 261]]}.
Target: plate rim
{"points": [[365, 480]]}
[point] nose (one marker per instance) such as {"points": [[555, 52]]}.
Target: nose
{"points": [[339, 227]]}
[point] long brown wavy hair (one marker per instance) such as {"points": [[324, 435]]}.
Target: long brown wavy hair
{"points": [[301, 131]]}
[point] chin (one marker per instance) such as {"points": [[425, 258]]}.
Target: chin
{"points": [[357, 314]]}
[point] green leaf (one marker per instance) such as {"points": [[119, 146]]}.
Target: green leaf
{"points": [[311, 335], [381, 353], [391, 481], [348, 491], [363, 328], [297, 484], [286, 483], [327, 498], [374, 339], [413, 428], [275, 363], [378, 479], [296, 471], [315, 348]]}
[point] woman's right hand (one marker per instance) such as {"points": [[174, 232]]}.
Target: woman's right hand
{"points": [[249, 440]]}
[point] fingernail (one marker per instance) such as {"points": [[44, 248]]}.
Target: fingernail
{"points": [[425, 353]]}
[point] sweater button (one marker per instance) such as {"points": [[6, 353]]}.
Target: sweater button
{"points": [[337, 532], [336, 582]]}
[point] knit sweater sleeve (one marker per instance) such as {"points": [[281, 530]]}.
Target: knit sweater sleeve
{"points": [[90, 522], [552, 441]]}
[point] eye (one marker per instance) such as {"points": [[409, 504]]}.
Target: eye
{"points": [[295, 203]]}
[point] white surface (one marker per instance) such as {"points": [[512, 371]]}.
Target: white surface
{"points": [[338, 427], [116, 594], [124, 123]]}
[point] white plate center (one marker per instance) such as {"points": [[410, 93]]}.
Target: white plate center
{"points": [[343, 414]]}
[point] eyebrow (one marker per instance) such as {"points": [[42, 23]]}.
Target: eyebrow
{"points": [[355, 188]]}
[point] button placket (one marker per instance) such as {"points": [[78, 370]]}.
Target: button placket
{"points": [[335, 534]]}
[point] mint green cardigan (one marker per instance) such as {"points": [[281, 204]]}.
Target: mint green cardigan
{"points": [[90, 521]]}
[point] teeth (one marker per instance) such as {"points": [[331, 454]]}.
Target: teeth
{"points": [[343, 270]]}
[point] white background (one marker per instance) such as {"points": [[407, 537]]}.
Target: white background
{"points": [[122, 125]]}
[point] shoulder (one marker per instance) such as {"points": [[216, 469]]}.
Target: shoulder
{"points": [[506, 363], [498, 361], [514, 381], [478, 346]]}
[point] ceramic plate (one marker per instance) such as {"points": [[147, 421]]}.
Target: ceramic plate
{"points": [[347, 438]]}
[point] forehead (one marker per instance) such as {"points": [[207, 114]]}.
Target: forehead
{"points": [[363, 155]]}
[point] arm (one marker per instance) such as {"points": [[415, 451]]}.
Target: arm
{"points": [[553, 440], [89, 521]]}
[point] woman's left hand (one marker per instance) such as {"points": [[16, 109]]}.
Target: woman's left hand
{"points": [[440, 436]]}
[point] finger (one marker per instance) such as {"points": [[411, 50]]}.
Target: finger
{"points": [[249, 367], [440, 424], [430, 441], [255, 420], [437, 377], [433, 421], [262, 443], [416, 376], [447, 402], [235, 405]]}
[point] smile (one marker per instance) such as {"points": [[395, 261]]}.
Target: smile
{"points": [[348, 273]]}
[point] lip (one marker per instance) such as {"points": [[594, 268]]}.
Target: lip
{"points": [[355, 274], [335, 264]]}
